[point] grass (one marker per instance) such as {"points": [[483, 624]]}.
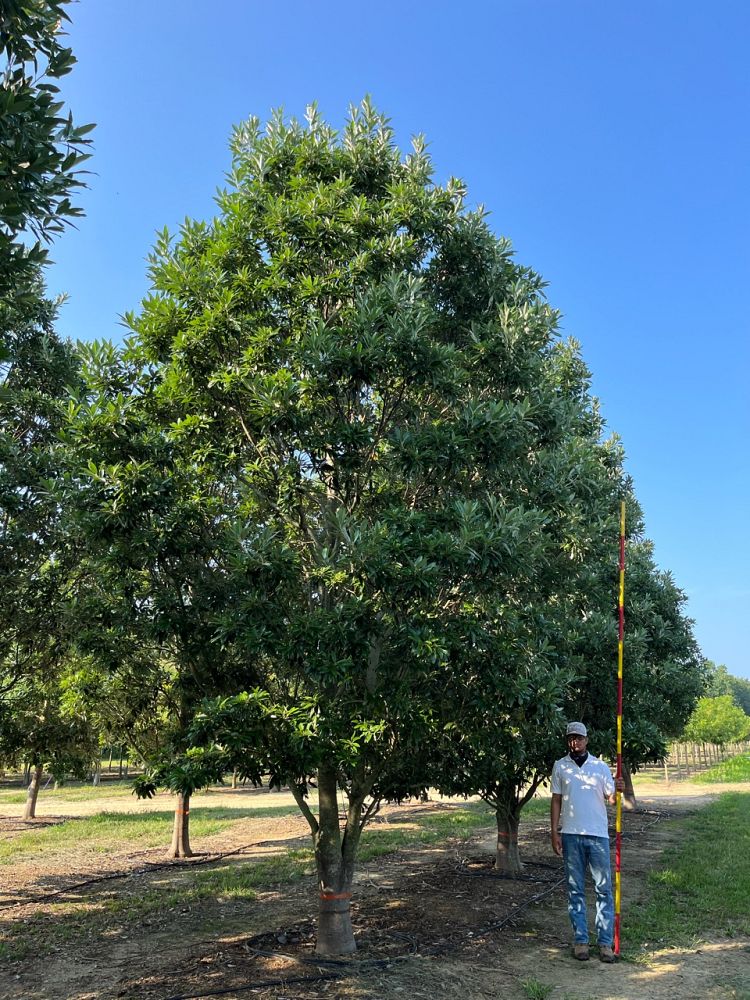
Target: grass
{"points": [[703, 885], [430, 828], [735, 988], [172, 893], [223, 883], [115, 907], [434, 828], [536, 809], [734, 769], [70, 793], [77, 791], [168, 898], [109, 831], [535, 990], [121, 831]]}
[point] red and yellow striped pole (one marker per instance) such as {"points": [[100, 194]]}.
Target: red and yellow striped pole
{"points": [[618, 799]]}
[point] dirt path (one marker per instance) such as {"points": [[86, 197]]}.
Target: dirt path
{"points": [[437, 923]]}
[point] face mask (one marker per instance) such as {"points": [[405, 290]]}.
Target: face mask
{"points": [[579, 758]]}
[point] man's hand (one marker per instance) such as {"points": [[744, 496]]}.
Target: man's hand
{"points": [[556, 840], [619, 787]]}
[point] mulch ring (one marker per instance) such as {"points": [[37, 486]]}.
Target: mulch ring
{"points": [[445, 907], [12, 825]]}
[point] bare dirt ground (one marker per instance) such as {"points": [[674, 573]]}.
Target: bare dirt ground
{"points": [[430, 922]]}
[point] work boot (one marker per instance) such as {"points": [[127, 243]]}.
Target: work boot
{"points": [[606, 954], [581, 952]]}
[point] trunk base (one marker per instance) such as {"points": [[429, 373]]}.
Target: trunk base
{"points": [[507, 855], [180, 847], [335, 931], [628, 796], [32, 794], [508, 860]]}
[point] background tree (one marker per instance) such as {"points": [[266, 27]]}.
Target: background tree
{"points": [[717, 720], [663, 668], [40, 156], [41, 151], [148, 586], [721, 682], [39, 730], [32, 571]]}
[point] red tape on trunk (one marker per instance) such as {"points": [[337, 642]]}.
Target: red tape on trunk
{"points": [[335, 895]]}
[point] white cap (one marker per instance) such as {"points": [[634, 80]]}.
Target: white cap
{"points": [[575, 729]]}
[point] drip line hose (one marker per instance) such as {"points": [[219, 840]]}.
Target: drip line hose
{"points": [[502, 876], [295, 980], [349, 966], [342, 964], [192, 862]]}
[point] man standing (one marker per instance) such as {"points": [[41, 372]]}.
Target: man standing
{"points": [[581, 785]]}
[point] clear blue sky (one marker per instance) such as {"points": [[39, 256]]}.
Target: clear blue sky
{"points": [[608, 140]]}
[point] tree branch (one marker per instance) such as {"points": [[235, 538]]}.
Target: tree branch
{"points": [[304, 808]]}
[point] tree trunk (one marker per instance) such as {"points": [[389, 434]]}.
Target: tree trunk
{"points": [[180, 847], [507, 858], [335, 872], [97, 779], [234, 778], [109, 766], [32, 793], [628, 796]]}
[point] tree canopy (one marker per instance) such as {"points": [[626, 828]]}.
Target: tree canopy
{"points": [[42, 150], [717, 720], [721, 682]]}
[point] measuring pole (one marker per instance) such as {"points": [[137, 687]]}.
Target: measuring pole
{"points": [[618, 795]]}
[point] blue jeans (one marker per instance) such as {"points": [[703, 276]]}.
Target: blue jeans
{"points": [[580, 851]]}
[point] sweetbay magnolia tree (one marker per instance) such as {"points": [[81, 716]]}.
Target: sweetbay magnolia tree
{"points": [[355, 365]]}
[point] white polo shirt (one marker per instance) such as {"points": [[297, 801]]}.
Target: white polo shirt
{"points": [[583, 791]]}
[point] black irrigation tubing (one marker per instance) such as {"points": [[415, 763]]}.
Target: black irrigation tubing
{"points": [[497, 925], [131, 873], [658, 816], [502, 876], [294, 980], [350, 966], [345, 966]]}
